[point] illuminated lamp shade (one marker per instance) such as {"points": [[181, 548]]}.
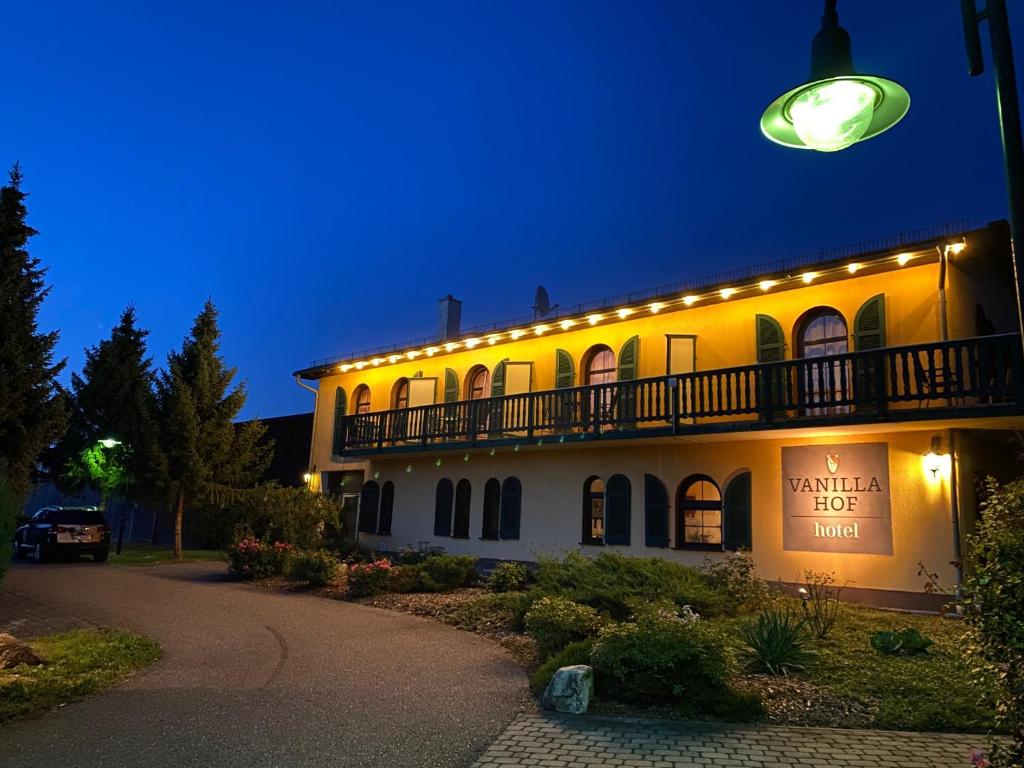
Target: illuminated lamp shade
{"points": [[493, 338], [852, 268], [837, 106], [903, 258], [656, 307], [593, 319], [108, 442], [935, 463], [808, 277], [307, 477], [957, 248]]}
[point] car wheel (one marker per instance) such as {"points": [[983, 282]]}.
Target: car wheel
{"points": [[15, 550], [101, 555], [38, 555]]}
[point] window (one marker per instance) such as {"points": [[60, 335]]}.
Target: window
{"points": [[617, 510], [698, 514], [400, 394], [593, 511], [443, 507], [479, 383], [737, 522], [387, 507], [463, 492], [600, 369], [369, 501], [821, 332], [362, 399], [655, 512], [492, 509], [511, 502]]}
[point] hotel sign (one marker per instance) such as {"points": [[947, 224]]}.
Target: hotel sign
{"points": [[835, 498]]}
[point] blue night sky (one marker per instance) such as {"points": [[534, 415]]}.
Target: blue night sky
{"points": [[326, 171]]}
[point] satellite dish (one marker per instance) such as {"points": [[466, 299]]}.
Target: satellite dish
{"points": [[541, 303]]}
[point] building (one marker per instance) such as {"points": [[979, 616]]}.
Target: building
{"points": [[829, 413]]}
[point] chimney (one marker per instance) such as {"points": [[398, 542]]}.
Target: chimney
{"points": [[449, 317]]}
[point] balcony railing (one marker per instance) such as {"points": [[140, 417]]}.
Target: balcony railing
{"points": [[950, 379]]}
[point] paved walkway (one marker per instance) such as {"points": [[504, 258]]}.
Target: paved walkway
{"points": [[560, 740], [26, 618]]}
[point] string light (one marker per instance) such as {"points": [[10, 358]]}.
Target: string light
{"points": [[852, 267], [594, 319], [393, 359], [377, 360], [765, 285], [656, 307], [344, 368], [540, 329], [492, 339], [412, 354], [516, 334], [567, 324], [451, 345], [470, 343], [727, 292], [808, 277], [360, 365], [903, 258], [957, 248], [689, 300], [624, 313], [431, 351]]}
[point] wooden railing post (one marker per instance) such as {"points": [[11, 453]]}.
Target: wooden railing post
{"points": [[673, 394], [878, 377]]}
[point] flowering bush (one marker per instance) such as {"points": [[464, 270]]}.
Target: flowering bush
{"points": [[250, 558], [365, 579]]}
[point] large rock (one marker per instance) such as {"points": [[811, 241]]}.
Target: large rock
{"points": [[570, 690], [14, 652]]}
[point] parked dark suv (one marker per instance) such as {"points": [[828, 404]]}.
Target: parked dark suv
{"points": [[64, 531]]}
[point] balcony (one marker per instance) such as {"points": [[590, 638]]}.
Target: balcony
{"points": [[940, 380]]}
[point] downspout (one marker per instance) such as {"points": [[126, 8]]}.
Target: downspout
{"points": [[954, 499], [316, 408], [943, 324]]}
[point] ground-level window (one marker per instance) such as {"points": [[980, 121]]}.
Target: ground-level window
{"points": [[463, 493], [511, 506], [369, 501], [593, 511], [443, 497], [617, 510], [387, 507], [698, 514], [655, 512], [737, 523], [492, 509]]}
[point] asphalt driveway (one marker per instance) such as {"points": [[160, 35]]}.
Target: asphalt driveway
{"points": [[252, 677]]}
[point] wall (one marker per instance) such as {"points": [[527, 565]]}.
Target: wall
{"points": [[553, 477]]}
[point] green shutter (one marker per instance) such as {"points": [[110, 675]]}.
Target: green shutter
{"points": [[451, 386], [737, 522], [869, 324], [655, 512], [496, 413], [565, 374], [771, 342], [339, 421], [869, 333], [628, 364]]}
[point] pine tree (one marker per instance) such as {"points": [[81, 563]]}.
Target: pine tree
{"points": [[113, 398], [196, 404], [32, 412]]}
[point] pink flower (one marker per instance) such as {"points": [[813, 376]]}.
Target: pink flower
{"points": [[978, 759]]}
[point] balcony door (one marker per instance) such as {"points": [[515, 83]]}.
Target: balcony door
{"points": [[822, 332]]}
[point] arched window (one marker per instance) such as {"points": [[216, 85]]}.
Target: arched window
{"points": [[698, 514], [369, 501], [361, 397], [463, 492], [443, 507], [387, 507], [593, 511], [655, 512], [400, 394], [820, 332], [737, 523], [617, 502], [599, 368], [511, 502], [478, 383], [492, 509]]}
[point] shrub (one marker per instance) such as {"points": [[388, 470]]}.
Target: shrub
{"points": [[509, 577], [251, 558], [775, 643], [316, 567], [660, 658], [906, 641], [821, 602], [437, 573], [574, 653], [504, 612], [349, 551], [554, 622], [613, 583], [366, 579], [269, 511], [994, 605], [734, 576]]}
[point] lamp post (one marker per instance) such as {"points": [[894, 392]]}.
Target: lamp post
{"points": [[837, 106], [108, 443]]}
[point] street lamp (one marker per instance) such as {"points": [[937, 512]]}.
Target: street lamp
{"points": [[108, 442], [837, 106]]}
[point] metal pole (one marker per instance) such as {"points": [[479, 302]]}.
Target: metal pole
{"points": [[1010, 130]]}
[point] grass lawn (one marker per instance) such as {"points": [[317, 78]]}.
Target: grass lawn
{"points": [[146, 554], [79, 663]]}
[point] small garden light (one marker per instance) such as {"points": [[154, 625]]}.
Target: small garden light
{"points": [[837, 106]]}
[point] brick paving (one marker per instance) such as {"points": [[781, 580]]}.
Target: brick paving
{"points": [[25, 617], [549, 740]]}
